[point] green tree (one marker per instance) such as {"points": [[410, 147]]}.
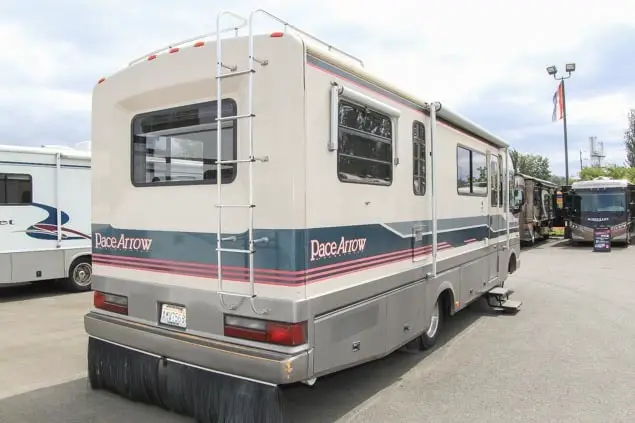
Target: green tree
{"points": [[558, 180], [611, 171], [629, 139], [531, 164]]}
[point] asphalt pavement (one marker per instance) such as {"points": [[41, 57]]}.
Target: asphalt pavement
{"points": [[567, 356]]}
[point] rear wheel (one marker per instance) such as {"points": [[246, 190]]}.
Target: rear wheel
{"points": [[79, 275], [429, 338]]}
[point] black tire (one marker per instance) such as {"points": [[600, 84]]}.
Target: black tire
{"points": [[430, 336], [80, 275]]}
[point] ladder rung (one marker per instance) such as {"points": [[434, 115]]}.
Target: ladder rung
{"points": [[229, 238], [234, 250], [245, 206], [236, 294], [234, 117], [231, 68], [229, 75]]}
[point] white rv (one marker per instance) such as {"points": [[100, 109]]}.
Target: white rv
{"points": [[45, 216], [352, 216]]}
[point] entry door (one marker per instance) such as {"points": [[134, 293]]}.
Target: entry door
{"points": [[495, 220]]}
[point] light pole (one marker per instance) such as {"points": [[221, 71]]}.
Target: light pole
{"points": [[552, 70]]}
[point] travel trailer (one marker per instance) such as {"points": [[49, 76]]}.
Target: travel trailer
{"points": [[352, 217], [601, 203], [45, 216], [537, 215]]}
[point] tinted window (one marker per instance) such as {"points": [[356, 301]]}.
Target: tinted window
{"points": [[494, 182], [501, 183], [178, 146], [479, 173], [419, 158], [364, 145], [463, 170], [471, 172], [16, 188]]}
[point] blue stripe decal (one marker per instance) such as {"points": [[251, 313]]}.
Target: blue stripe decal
{"points": [[286, 252]]}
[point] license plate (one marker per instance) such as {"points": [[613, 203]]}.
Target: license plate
{"points": [[173, 315]]}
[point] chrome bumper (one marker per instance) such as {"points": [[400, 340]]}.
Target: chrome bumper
{"points": [[259, 365]]}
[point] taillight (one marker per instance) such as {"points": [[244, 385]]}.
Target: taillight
{"points": [[111, 302], [289, 334]]}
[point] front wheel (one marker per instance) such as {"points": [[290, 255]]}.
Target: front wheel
{"points": [[429, 338]]}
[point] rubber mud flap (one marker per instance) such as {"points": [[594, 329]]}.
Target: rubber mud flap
{"points": [[124, 372], [206, 396]]}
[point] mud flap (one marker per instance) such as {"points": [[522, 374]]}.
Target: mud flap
{"points": [[208, 397]]}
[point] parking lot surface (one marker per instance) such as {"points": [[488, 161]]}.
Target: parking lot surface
{"points": [[567, 356]]}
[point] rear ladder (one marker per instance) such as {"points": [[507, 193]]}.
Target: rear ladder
{"points": [[220, 76]]}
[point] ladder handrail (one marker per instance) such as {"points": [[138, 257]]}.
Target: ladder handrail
{"points": [[306, 34], [219, 161], [216, 33]]}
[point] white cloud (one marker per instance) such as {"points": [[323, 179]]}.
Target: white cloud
{"points": [[455, 51]]}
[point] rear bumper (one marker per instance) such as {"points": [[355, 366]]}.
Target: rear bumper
{"points": [[222, 357]]}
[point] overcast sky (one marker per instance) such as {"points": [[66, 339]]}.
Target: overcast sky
{"points": [[485, 59]]}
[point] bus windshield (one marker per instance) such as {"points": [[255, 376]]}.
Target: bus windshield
{"points": [[600, 201], [602, 207]]}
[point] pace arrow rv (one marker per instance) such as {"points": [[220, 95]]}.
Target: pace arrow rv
{"points": [[352, 217], [45, 216]]}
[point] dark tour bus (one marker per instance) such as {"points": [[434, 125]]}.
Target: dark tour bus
{"points": [[600, 203]]}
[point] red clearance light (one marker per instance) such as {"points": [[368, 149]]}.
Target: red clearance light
{"points": [[288, 334], [110, 302], [154, 56], [174, 50], [199, 43], [101, 80], [277, 34]]}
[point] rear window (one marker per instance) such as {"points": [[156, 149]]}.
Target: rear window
{"points": [[177, 146], [15, 189]]}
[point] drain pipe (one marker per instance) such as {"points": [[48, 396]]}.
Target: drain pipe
{"points": [[58, 165], [433, 152]]}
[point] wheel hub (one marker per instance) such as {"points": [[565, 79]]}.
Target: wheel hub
{"points": [[434, 321]]}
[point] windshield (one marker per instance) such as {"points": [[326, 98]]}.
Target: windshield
{"points": [[601, 201], [599, 206]]}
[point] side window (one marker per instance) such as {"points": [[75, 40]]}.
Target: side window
{"points": [[511, 181], [471, 172], [178, 146], [494, 181], [419, 158], [501, 183], [15, 189], [364, 145]]}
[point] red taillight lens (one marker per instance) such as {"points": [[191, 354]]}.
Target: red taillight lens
{"points": [[288, 334], [110, 302], [277, 34]]}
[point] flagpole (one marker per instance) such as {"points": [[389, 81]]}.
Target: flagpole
{"points": [[552, 70], [564, 124]]}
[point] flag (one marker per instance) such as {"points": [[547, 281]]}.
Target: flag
{"points": [[558, 104]]}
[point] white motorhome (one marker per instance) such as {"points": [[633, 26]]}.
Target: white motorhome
{"points": [[45, 216], [352, 216]]}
